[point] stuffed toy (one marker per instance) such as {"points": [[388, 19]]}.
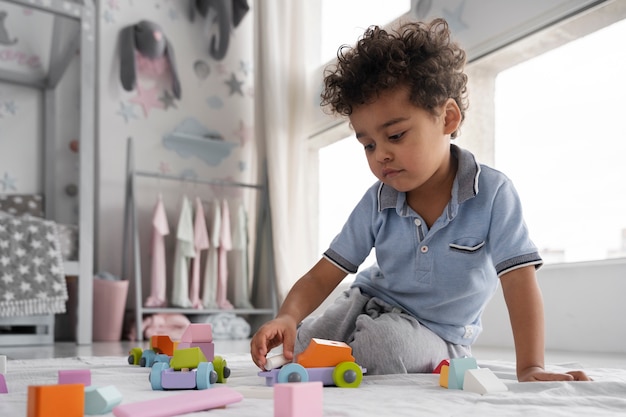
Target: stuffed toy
{"points": [[228, 14], [148, 40]]}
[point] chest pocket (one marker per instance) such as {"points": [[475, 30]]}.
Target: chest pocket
{"points": [[467, 245]]}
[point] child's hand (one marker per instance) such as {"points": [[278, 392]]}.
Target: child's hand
{"points": [[539, 374], [281, 330]]}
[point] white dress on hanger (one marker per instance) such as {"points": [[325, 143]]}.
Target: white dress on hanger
{"points": [[158, 273], [222, 258], [239, 281], [201, 242], [209, 283], [184, 252]]}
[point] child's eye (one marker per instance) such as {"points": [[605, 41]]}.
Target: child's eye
{"points": [[368, 147], [397, 136]]}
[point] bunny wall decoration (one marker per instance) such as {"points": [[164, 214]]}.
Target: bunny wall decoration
{"points": [[148, 40], [227, 13]]}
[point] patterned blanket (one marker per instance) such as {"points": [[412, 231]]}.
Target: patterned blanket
{"points": [[32, 279]]}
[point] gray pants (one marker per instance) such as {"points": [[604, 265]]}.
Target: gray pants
{"points": [[384, 339]]}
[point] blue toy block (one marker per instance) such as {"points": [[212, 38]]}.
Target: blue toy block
{"points": [[101, 400], [456, 373]]}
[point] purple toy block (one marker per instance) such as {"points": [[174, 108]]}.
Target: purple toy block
{"points": [[198, 332], [75, 376], [3, 385], [304, 399], [171, 379]]}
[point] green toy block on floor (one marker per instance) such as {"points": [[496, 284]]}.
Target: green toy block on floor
{"points": [[187, 358], [456, 373]]}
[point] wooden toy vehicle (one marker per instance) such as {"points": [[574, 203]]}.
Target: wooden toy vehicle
{"points": [[161, 349], [188, 369], [326, 361]]}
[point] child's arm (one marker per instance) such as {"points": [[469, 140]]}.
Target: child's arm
{"points": [[303, 298], [525, 305]]}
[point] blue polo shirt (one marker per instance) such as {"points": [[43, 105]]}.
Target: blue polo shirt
{"points": [[444, 276]]}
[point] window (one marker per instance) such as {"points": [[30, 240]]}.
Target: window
{"points": [[559, 137]]}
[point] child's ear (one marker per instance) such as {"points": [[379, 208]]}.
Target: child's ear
{"points": [[452, 117]]}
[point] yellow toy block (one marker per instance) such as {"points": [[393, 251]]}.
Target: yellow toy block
{"points": [[65, 400], [323, 353], [443, 376], [187, 358]]}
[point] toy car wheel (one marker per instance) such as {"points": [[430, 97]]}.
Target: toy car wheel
{"points": [[205, 375], [134, 356], [220, 366], [155, 375], [292, 372], [347, 375], [147, 358]]}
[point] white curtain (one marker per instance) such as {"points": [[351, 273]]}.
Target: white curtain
{"points": [[281, 97]]}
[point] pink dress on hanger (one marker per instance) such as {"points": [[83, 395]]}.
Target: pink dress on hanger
{"points": [[158, 277], [222, 269], [201, 242]]}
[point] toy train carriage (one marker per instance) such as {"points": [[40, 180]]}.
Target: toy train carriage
{"points": [[188, 369], [326, 361]]}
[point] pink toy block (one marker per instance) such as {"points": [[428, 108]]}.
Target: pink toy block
{"points": [[75, 376], [175, 405], [208, 348], [198, 332], [3, 385], [304, 399], [101, 400]]}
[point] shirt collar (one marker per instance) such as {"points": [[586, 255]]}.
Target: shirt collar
{"points": [[465, 182]]}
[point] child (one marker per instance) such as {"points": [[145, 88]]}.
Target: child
{"points": [[445, 228]]}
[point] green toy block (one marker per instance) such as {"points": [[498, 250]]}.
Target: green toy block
{"points": [[456, 373], [187, 358]]}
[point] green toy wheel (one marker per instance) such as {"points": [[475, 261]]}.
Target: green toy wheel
{"points": [[347, 375], [222, 369], [134, 356]]}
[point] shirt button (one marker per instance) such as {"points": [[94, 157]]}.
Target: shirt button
{"points": [[424, 249], [418, 222]]}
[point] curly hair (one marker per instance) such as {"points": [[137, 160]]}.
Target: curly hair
{"points": [[418, 55]]}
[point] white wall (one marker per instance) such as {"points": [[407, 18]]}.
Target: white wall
{"points": [[584, 308]]}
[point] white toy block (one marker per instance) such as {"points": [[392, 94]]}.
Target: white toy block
{"points": [[302, 399], [3, 364], [275, 362], [456, 373], [482, 381]]}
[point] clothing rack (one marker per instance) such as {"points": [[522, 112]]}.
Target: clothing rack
{"points": [[131, 228]]}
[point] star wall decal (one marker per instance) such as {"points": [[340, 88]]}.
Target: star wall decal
{"points": [[245, 67], [8, 183], [127, 111], [10, 106], [147, 99], [168, 100], [234, 84]]}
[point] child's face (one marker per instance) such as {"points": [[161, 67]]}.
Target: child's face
{"points": [[406, 147]]}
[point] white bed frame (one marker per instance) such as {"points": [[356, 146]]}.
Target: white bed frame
{"points": [[74, 27]]}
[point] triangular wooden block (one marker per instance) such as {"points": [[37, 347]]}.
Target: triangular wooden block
{"points": [[482, 381], [458, 366]]}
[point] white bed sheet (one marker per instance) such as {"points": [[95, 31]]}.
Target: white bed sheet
{"points": [[390, 395]]}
